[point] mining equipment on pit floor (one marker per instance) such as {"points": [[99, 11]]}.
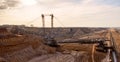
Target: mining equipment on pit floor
{"points": [[49, 39], [101, 46]]}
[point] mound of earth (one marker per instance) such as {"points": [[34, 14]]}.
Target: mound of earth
{"points": [[21, 48], [73, 56], [22, 44]]}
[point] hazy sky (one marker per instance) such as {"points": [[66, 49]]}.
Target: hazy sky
{"points": [[70, 13]]}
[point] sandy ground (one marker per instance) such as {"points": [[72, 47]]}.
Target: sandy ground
{"points": [[31, 49], [74, 52]]}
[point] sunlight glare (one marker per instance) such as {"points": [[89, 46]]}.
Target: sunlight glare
{"points": [[28, 2]]}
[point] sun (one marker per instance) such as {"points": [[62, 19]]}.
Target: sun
{"points": [[28, 2]]}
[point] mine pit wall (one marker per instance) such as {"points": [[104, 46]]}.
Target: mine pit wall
{"points": [[12, 50], [73, 56], [59, 33], [22, 49]]}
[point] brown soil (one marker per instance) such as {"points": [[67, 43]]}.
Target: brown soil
{"points": [[30, 48]]}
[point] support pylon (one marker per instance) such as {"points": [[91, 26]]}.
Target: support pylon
{"points": [[43, 22]]}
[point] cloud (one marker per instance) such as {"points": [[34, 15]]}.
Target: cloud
{"points": [[4, 4], [75, 13]]}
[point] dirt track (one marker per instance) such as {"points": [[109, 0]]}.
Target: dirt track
{"points": [[116, 37]]}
